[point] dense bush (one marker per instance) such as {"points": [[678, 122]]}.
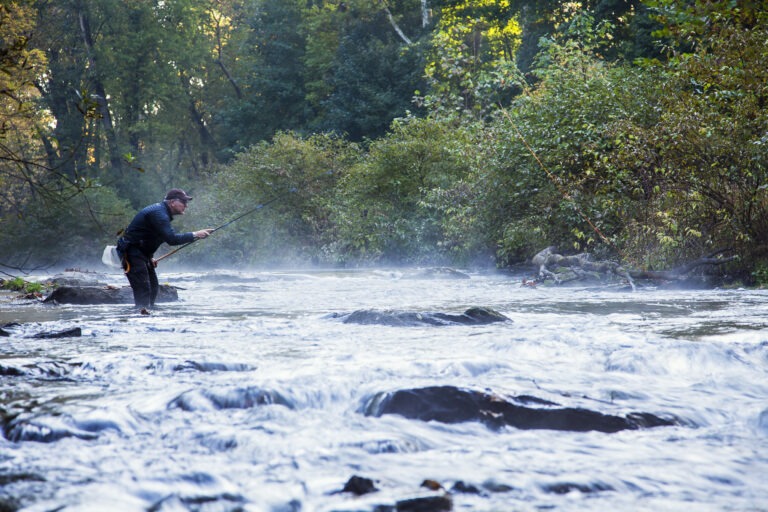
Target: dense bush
{"points": [[68, 228], [293, 178], [386, 209]]}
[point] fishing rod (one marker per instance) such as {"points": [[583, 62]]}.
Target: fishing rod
{"points": [[252, 210]]}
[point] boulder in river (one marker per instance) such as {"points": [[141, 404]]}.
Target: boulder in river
{"points": [[241, 398], [44, 429], [73, 332], [88, 295], [449, 404], [358, 485], [472, 316]]}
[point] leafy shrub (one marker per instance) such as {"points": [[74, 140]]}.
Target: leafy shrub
{"points": [[20, 285]]}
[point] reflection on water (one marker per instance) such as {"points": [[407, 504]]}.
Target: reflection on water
{"points": [[247, 395]]}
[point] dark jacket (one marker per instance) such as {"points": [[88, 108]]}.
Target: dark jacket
{"points": [[150, 228]]}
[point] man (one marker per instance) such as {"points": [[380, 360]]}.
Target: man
{"points": [[146, 232]]}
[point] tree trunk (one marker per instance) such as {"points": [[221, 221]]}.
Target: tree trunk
{"points": [[100, 94]]}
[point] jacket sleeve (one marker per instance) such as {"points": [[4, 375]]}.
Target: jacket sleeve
{"points": [[162, 223]]}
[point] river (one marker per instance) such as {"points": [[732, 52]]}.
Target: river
{"points": [[248, 394]]}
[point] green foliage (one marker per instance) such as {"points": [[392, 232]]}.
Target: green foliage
{"points": [[71, 228], [471, 63], [386, 208], [294, 178], [540, 185], [698, 172], [372, 81], [760, 274], [20, 285], [107, 104]]}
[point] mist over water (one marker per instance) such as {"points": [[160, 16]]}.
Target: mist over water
{"points": [[248, 394]]}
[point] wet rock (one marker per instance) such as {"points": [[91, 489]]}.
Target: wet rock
{"points": [[425, 504], [472, 316], [432, 485], [448, 404], [44, 429], [243, 398], [11, 478], [4, 332], [11, 371], [497, 487], [207, 366], [464, 488], [567, 487], [9, 504], [440, 273], [73, 277], [88, 295], [74, 332], [359, 486]]}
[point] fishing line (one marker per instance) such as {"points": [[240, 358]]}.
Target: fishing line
{"points": [[252, 210], [110, 257]]}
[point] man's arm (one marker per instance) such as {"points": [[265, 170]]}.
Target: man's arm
{"points": [[162, 223]]}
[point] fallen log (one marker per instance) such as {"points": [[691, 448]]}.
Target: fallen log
{"points": [[682, 271], [577, 263], [581, 265]]}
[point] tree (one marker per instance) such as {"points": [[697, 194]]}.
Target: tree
{"points": [[386, 209], [470, 67], [703, 166], [22, 162], [373, 81], [295, 178], [538, 184]]}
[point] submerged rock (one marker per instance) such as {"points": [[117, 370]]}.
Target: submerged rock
{"points": [[442, 503], [74, 332], [584, 488], [472, 316], [89, 295], [358, 486], [44, 429], [440, 273], [449, 404], [242, 398]]}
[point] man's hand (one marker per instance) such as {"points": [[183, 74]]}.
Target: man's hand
{"points": [[203, 233]]}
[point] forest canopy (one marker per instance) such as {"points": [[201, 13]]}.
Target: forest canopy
{"points": [[418, 132]]}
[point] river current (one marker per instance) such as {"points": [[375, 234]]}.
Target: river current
{"points": [[248, 393]]}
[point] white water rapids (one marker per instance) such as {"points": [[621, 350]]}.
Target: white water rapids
{"points": [[700, 356]]}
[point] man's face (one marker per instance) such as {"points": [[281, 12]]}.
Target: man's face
{"points": [[178, 206]]}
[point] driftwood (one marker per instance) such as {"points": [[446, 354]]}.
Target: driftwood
{"points": [[581, 265], [682, 271]]}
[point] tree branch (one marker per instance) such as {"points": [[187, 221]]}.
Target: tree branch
{"points": [[396, 27]]}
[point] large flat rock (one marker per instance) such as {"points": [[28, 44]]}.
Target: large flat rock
{"points": [[88, 295]]}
